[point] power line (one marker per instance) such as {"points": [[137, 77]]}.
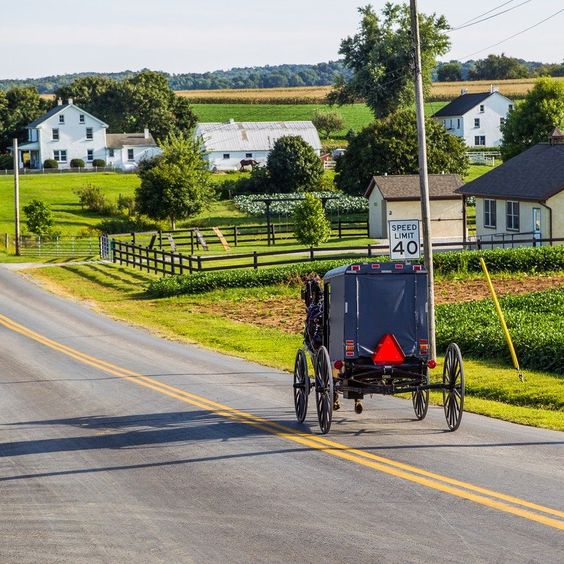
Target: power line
{"points": [[511, 36], [489, 17], [485, 13]]}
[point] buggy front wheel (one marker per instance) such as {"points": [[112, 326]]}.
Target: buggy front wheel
{"points": [[301, 385], [420, 400], [324, 389], [453, 386]]}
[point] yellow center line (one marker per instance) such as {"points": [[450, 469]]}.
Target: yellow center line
{"points": [[445, 484]]}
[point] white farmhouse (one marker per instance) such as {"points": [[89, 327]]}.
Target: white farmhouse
{"points": [[227, 144], [67, 132], [476, 118]]}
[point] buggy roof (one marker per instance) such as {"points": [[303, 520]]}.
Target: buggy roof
{"points": [[374, 268]]}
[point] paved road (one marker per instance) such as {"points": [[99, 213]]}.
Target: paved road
{"points": [[117, 446]]}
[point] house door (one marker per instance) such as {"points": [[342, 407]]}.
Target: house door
{"points": [[537, 228]]}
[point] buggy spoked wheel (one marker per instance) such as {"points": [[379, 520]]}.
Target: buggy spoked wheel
{"points": [[453, 386], [420, 401], [301, 385], [324, 389]]}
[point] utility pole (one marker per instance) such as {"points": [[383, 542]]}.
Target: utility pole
{"points": [[423, 178], [16, 195]]}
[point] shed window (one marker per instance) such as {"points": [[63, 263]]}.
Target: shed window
{"points": [[512, 216], [89, 133], [476, 122], [226, 155], [490, 219], [61, 118], [55, 134], [90, 155], [248, 155], [130, 155]]}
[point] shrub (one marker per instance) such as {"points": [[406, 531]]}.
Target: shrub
{"points": [[50, 163], [92, 198], [311, 227], [6, 162], [126, 204], [39, 218], [77, 163], [99, 163]]}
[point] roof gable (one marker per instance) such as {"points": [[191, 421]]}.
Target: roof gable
{"points": [[407, 187], [58, 109], [464, 103], [535, 174]]}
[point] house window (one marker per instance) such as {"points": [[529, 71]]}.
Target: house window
{"points": [[89, 134], [81, 118], [482, 108], [476, 122], [512, 216], [111, 153], [501, 121], [55, 134], [226, 155], [90, 155], [61, 119], [248, 155], [130, 156], [510, 107], [490, 219], [458, 123], [480, 140], [60, 156]]}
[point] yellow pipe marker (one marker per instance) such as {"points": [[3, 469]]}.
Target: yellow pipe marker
{"points": [[502, 320]]}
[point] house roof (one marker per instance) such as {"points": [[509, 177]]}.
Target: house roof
{"points": [[406, 187], [119, 140], [54, 111], [254, 135], [535, 174], [464, 103]]}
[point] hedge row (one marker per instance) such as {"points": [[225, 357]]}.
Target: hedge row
{"points": [[534, 320], [540, 259]]}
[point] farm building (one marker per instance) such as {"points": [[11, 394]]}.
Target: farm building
{"points": [[399, 197], [476, 118], [227, 144], [522, 198], [67, 132]]}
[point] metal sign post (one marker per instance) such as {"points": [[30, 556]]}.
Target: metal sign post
{"points": [[423, 178]]}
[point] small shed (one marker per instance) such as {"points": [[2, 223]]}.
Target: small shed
{"points": [[399, 197]]}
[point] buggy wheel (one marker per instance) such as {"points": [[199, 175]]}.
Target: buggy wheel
{"points": [[324, 389], [453, 386], [420, 400], [301, 385]]}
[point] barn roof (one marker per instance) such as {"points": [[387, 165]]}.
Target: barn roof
{"points": [[254, 135], [406, 187]]}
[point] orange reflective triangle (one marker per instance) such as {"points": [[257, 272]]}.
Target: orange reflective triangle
{"points": [[388, 351]]}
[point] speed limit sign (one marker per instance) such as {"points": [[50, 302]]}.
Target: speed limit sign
{"points": [[405, 243]]}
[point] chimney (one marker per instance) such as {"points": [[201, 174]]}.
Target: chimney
{"points": [[71, 101], [463, 91], [146, 133], [59, 101], [231, 120], [556, 137], [493, 89]]}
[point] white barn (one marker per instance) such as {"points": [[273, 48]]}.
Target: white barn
{"points": [[476, 118], [227, 144], [67, 132]]}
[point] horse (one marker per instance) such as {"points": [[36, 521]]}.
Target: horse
{"points": [[246, 163]]}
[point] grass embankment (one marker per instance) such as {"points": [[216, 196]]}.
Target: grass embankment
{"points": [[198, 319]]}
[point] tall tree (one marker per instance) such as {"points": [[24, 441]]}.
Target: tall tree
{"points": [[389, 146], [498, 67], [176, 184], [449, 72], [311, 226], [327, 121], [380, 57], [534, 119]]}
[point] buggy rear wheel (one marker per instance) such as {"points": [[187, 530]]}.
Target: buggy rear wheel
{"points": [[453, 386], [301, 385], [324, 389]]}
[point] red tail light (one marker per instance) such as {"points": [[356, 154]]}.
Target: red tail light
{"points": [[388, 351], [432, 364], [338, 364]]}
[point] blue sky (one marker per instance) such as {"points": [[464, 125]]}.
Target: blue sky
{"points": [[39, 38]]}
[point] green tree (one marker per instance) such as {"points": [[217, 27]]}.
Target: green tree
{"points": [[389, 146], [176, 184], [449, 72], [39, 218], [498, 67], [327, 121], [533, 120], [311, 227], [380, 57], [293, 165]]}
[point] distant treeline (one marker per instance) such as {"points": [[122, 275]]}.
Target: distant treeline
{"points": [[493, 67]]}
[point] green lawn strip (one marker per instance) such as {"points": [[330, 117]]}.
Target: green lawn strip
{"points": [[118, 292]]}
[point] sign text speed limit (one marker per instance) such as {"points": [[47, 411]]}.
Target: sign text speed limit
{"points": [[404, 239]]}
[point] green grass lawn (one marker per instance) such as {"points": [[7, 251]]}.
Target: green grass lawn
{"points": [[119, 293]]}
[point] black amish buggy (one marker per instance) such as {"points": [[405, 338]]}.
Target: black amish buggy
{"points": [[366, 332]]}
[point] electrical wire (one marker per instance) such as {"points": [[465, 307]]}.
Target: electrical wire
{"points": [[485, 13], [489, 17], [512, 36]]}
